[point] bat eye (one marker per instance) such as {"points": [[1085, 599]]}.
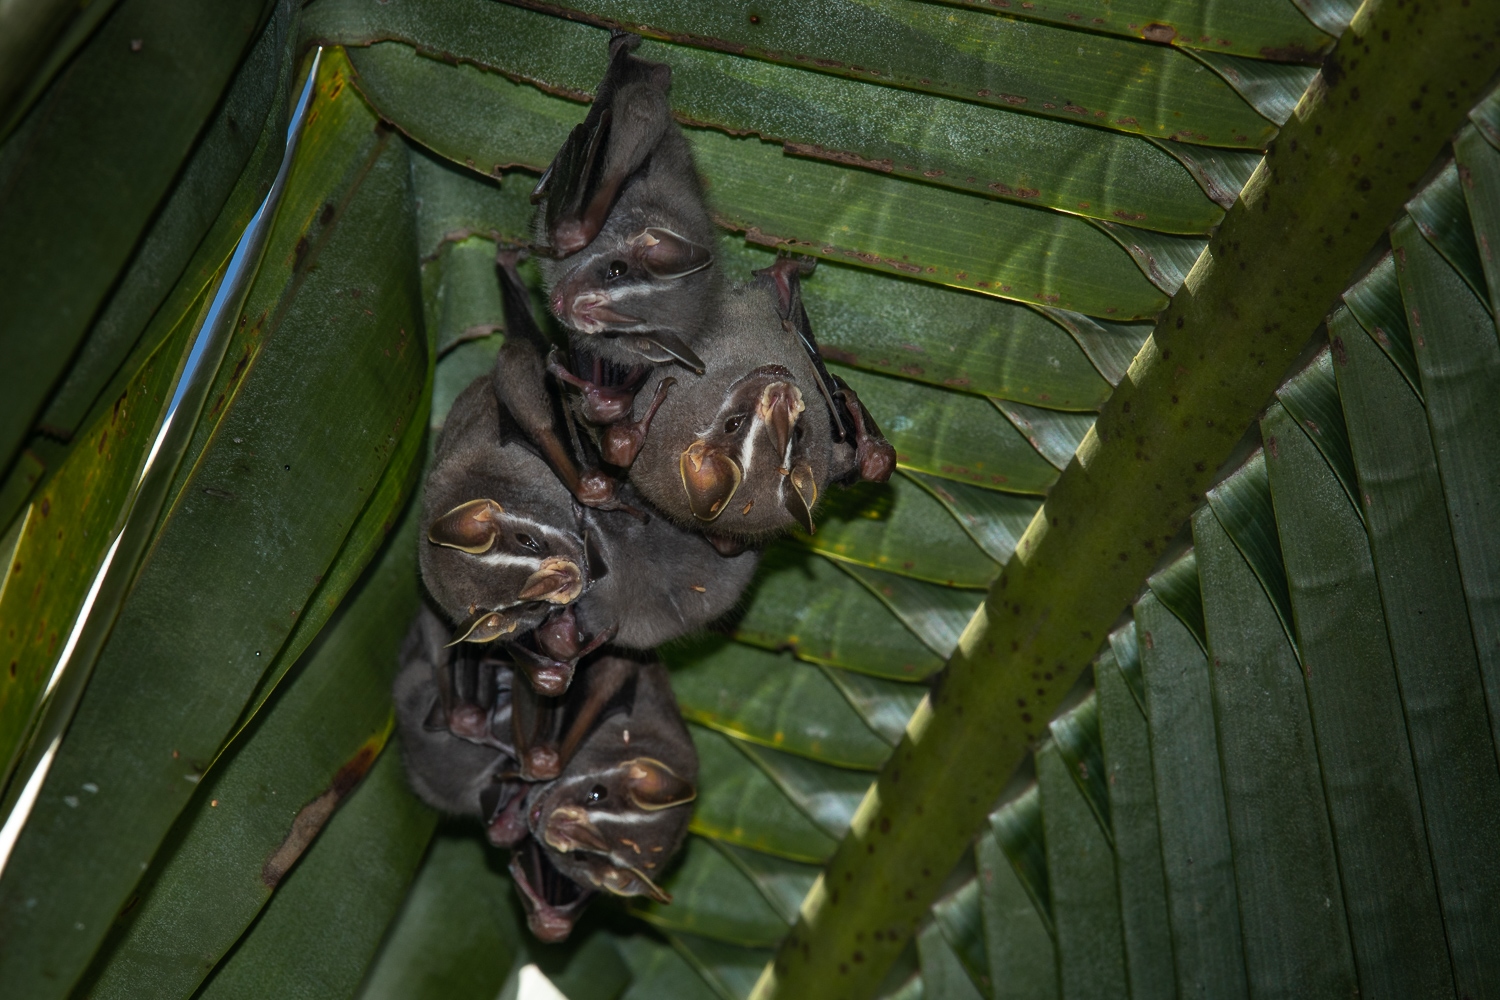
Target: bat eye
{"points": [[617, 269], [598, 793], [733, 423], [528, 541]]}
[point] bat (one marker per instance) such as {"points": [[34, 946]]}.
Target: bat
{"points": [[453, 717], [618, 809], [623, 225], [520, 385], [502, 542], [739, 453]]}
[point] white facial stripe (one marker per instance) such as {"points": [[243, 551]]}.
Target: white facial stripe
{"points": [[632, 818], [747, 446], [506, 559]]}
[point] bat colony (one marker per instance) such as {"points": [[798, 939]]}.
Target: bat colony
{"points": [[588, 502]]}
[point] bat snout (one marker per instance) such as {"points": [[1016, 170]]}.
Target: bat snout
{"points": [[556, 581], [778, 409], [568, 829], [710, 479], [591, 312]]}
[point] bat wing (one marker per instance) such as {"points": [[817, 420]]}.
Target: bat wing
{"points": [[785, 277], [585, 178]]}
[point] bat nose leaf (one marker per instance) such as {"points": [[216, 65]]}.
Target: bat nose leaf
{"points": [[557, 581]]}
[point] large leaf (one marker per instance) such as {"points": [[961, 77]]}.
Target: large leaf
{"points": [[802, 601], [962, 145], [816, 208], [965, 54], [775, 700], [266, 798], [318, 934], [105, 146], [740, 804], [271, 498], [1430, 639], [1291, 906], [713, 897]]}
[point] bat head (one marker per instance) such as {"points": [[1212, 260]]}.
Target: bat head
{"points": [[635, 278], [498, 571], [746, 450], [614, 829], [619, 810]]}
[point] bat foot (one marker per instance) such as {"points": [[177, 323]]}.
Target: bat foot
{"points": [[542, 764], [874, 456], [549, 678], [623, 441]]}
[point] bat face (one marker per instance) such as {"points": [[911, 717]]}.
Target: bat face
{"points": [[620, 808], [746, 450], [502, 544], [624, 220]]}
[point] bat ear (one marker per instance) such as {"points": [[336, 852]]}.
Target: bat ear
{"points": [[803, 496], [487, 626], [710, 478], [470, 527], [653, 785], [665, 254], [632, 882], [558, 581]]}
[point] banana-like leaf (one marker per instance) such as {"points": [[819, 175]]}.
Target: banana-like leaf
{"points": [[960, 919], [804, 602], [259, 808], [1430, 640], [1458, 354], [1017, 830], [1361, 730], [1478, 174], [713, 897], [996, 521], [738, 803], [943, 972], [1196, 856], [886, 706], [1164, 260], [459, 930], [1375, 301], [900, 528], [730, 970], [219, 188], [1017, 940], [1271, 88], [320, 931], [827, 794], [1272, 30], [781, 201], [1081, 874], [953, 434], [1144, 919], [1312, 398], [969, 55], [772, 699], [657, 971], [1291, 907], [1242, 503], [966, 146], [1178, 588], [272, 496], [935, 613], [105, 146], [1076, 733], [1055, 435], [783, 883]]}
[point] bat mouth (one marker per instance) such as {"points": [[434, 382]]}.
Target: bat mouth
{"points": [[593, 312], [553, 901], [710, 479]]}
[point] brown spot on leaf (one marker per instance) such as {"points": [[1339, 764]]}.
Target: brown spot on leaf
{"points": [[310, 820]]}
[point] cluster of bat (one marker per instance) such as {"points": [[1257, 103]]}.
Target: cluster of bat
{"points": [[591, 502]]}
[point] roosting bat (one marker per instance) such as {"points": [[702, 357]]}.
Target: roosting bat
{"points": [[623, 224], [747, 449], [503, 545]]}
